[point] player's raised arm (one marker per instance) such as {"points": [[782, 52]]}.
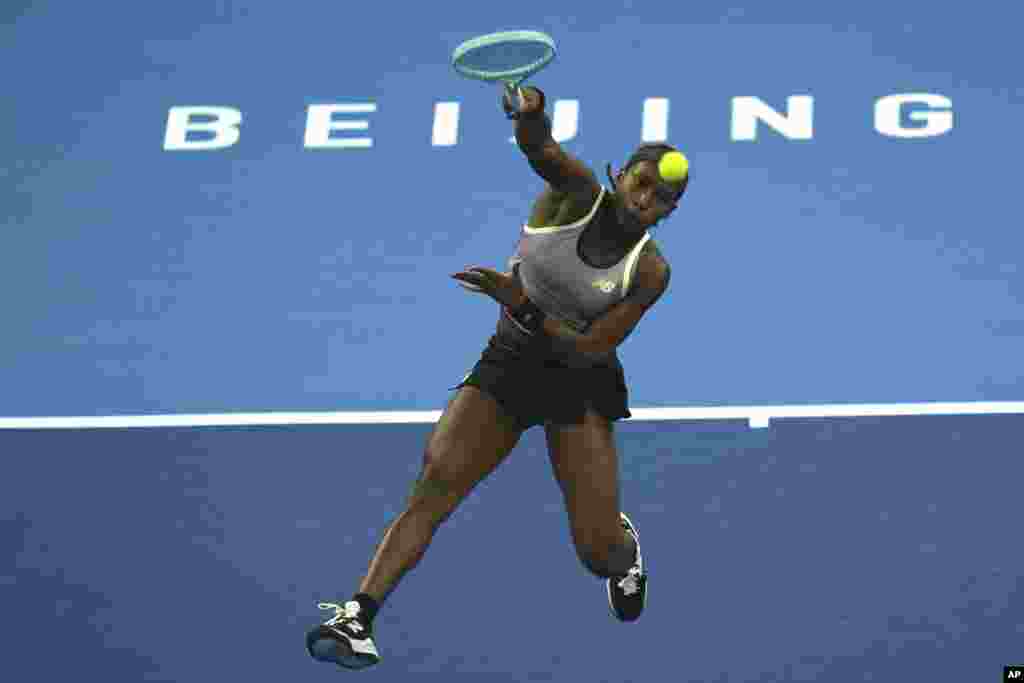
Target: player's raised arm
{"points": [[562, 171]]}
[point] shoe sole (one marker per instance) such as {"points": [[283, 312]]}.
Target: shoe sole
{"points": [[342, 650]]}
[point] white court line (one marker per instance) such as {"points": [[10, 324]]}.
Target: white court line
{"points": [[758, 416]]}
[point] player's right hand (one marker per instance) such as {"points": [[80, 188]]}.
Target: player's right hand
{"points": [[521, 101]]}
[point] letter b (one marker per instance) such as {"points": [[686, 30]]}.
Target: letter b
{"points": [[224, 127]]}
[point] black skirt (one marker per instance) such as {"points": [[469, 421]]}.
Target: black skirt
{"points": [[535, 389]]}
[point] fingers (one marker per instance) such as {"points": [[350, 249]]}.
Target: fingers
{"points": [[516, 100], [479, 272], [471, 287], [502, 287], [531, 99], [486, 272], [474, 280], [527, 100], [511, 100]]}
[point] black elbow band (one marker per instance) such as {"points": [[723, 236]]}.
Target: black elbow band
{"points": [[543, 122], [532, 134]]}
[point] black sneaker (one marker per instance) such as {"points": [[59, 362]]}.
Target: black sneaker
{"points": [[344, 639], [628, 594]]}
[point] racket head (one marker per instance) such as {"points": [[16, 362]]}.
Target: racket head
{"points": [[508, 56]]}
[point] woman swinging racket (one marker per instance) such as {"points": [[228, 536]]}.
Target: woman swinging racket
{"points": [[583, 275]]}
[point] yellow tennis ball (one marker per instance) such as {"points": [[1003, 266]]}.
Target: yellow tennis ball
{"points": [[673, 166]]}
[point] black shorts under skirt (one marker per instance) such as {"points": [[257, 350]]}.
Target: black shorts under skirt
{"points": [[539, 391]]}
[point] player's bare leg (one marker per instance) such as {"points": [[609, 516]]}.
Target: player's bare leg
{"points": [[470, 440], [586, 464]]}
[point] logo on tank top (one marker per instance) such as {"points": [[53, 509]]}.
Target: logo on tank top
{"points": [[606, 286]]}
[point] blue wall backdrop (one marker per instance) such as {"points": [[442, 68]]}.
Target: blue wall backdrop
{"points": [[852, 251], [849, 267]]}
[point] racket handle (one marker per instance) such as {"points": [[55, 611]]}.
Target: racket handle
{"points": [[512, 100]]}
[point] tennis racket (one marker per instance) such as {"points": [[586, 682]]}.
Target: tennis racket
{"points": [[506, 57]]}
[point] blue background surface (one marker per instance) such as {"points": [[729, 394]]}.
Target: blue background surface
{"points": [[866, 549], [851, 267]]}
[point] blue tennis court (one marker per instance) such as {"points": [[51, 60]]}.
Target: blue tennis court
{"points": [[853, 549]]}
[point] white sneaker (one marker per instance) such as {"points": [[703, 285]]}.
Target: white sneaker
{"points": [[627, 594], [345, 639]]}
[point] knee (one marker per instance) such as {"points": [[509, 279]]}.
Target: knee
{"points": [[435, 492], [437, 478]]}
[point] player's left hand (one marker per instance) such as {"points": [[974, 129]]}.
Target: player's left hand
{"points": [[504, 288]]}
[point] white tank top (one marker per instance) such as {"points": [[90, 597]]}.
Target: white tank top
{"points": [[558, 281]]}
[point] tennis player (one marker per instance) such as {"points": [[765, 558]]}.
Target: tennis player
{"points": [[583, 275]]}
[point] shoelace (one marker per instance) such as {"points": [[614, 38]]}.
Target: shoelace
{"points": [[349, 612], [630, 583]]}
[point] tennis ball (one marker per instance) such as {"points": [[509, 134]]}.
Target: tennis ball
{"points": [[673, 166]]}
